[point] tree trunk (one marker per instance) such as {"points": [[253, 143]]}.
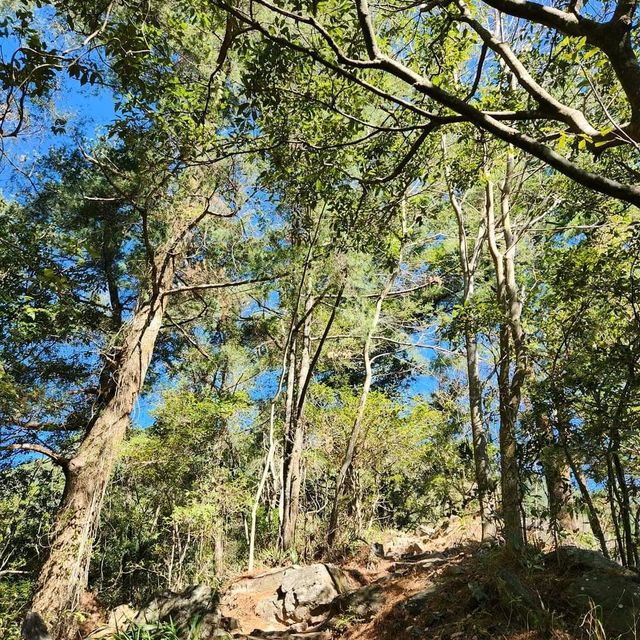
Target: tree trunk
{"points": [[269, 464], [347, 461], [557, 477], [612, 492], [218, 542], [509, 387], [468, 266], [292, 477], [478, 435], [263, 480], [64, 575], [510, 479], [631, 550], [289, 416], [592, 513]]}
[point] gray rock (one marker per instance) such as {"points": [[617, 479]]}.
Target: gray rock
{"points": [[120, 620], [361, 603], [420, 601], [307, 590], [270, 609], [195, 605], [267, 581], [613, 598], [404, 547], [601, 588], [33, 627], [574, 558], [294, 595]]}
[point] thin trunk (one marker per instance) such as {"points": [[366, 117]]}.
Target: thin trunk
{"points": [[64, 575], [261, 484], [269, 463], [289, 414], [347, 460], [592, 512], [468, 266], [218, 542], [295, 438], [625, 503], [613, 498], [108, 263], [292, 470], [478, 435], [509, 387]]}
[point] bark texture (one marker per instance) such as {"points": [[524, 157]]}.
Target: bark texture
{"points": [[64, 574], [512, 348]]}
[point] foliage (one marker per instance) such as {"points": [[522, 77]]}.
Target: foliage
{"points": [[305, 173]]}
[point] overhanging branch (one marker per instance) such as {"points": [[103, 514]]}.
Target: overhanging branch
{"points": [[222, 285], [39, 448]]}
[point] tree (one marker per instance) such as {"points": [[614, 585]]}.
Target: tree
{"points": [[125, 362], [356, 43], [468, 267]]}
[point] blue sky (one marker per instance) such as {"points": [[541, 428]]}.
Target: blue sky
{"points": [[89, 112]]}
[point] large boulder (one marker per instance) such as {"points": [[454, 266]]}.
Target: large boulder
{"points": [[570, 558], [196, 605], [307, 591], [284, 597], [601, 590]]}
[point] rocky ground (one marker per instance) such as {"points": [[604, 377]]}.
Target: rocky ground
{"points": [[442, 584]]}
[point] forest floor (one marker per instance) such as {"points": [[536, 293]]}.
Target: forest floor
{"points": [[442, 584], [457, 588]]}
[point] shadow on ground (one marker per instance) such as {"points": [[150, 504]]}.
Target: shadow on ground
{"points": [[479, 592]]}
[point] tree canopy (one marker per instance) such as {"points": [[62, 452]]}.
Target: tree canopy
{"points": [[275, 276]]}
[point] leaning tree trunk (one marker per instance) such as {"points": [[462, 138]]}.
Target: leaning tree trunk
{"points": [[64, 574], [347, 461], [563, 427]]}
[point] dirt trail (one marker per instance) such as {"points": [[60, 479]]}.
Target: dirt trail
{"points": [[406, 568], [442, 584], [453, 587]]}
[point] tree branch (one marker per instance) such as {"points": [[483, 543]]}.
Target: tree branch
{"points": [[222, 285], [39, 448], [423, 85]]}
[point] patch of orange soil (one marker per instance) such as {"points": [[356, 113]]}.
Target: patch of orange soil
{"points": [[242, 606]]}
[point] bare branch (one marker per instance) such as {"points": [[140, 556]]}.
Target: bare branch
{"points": [[222, 285], [39, 448]]}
